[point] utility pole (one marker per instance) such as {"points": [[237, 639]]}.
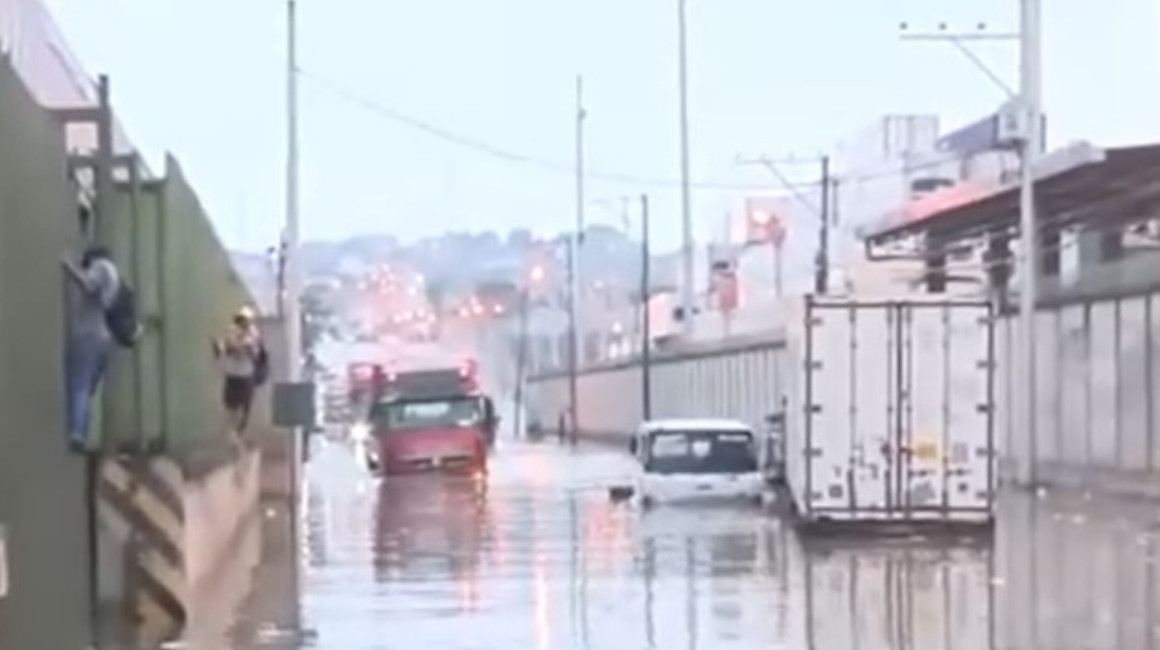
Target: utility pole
{"points": [[292, 265], [822, 274], [687, 243], [645, 317], [292, 306], [574, 282], [521, 362], [1029, 102], [1030, 83]]}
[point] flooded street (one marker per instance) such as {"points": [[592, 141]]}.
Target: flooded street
{"points": [[538, 557]]}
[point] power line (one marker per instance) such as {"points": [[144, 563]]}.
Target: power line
{"points": [[514, 157], [507, 155]]}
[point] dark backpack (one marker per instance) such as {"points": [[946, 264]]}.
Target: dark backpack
{"points": [[261, 366], [121, 316]]}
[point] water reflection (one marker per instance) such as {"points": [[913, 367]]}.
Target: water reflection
{"points": [[537, 559], [1079, 573], [710, 578], [916, 595], [430, 527]]}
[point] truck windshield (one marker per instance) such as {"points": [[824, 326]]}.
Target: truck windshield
{"points": [[423, 414], [701, 452]]}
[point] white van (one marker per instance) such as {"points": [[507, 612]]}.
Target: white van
{"points": [[697, 460]]}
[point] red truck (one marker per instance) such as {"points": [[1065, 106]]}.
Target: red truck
{"points": [[430, 420]]}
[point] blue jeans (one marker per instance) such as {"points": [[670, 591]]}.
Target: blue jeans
{"points": [[85, 362]]}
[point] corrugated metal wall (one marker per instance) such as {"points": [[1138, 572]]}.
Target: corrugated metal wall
{"points": [[42, 487], [1097, 401], [1098, 384], [200, 292], [739, 379]]}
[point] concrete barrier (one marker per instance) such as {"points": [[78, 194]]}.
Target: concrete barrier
{"points": [[163, 534], [218, 510]]}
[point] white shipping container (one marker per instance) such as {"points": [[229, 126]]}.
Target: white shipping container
{"points": [[889, 410]]}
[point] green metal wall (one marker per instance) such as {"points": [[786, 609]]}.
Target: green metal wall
{"points": [[201, 291], [42, 486], [165, 394]]}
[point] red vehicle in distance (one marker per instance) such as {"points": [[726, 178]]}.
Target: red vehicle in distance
{"points": [[429, 420]]}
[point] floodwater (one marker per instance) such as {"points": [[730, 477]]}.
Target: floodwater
{"points": [[537, 557]]}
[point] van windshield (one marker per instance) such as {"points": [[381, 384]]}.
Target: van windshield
{"points": [[426, 414], [700, 452]]}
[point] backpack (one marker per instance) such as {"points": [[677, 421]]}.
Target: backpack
{"points": [[261, 366], [121, 316]]}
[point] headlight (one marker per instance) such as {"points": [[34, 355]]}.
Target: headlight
{"points": [[360, 432]]}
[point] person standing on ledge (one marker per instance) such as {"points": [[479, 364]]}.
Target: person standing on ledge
{"points": [[244, 364]]}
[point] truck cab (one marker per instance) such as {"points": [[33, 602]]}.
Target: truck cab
{"points": [[430, 420]]}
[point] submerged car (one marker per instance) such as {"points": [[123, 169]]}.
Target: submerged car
{"points": [[697, 460]]}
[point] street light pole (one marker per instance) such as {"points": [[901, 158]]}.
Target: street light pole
{"points": [[687, 244], [292, 266], [521, 363], [574, 283], [1030, 90], [292, 317], [645, 317]]}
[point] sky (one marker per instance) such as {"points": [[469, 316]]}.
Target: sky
{"points": [[206, 81]]}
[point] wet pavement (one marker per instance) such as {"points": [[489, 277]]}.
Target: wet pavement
{"points": [[536, 556]]}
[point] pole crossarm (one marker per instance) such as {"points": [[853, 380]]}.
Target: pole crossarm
{"points": [[959, 40], [959, 36]]}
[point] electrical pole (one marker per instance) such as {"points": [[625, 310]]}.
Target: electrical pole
{"points": [[292, 266], [645, 317], [521, 362], [1029, 101], [687, 243], [574, 282], [1030, 90], [822, 276], [292, 306]]}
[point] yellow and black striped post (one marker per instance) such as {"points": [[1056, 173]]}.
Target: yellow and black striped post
{"points": [[140, 503]]}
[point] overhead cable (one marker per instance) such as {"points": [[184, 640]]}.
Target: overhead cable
{"points": [[514, 157]]}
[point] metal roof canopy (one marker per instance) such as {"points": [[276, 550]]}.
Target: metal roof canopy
{"points": [[1112, 185]]}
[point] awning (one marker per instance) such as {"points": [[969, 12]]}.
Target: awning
{"points": [[1120, 188]]}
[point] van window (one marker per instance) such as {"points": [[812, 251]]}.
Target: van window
{"points": [[700, 452]]}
